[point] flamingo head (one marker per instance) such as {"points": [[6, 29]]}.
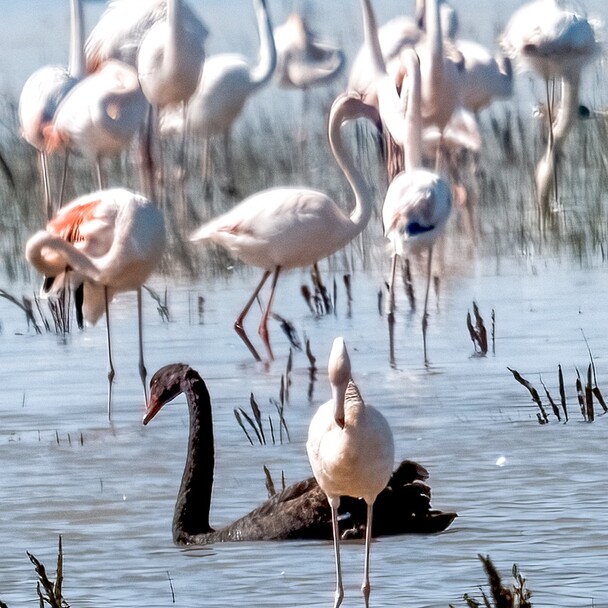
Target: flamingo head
{"points": [[338, 370], [166, 384]]}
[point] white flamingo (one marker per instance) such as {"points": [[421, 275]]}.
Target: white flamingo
{"points": [[285, 228], [43, 92], [557, 44], [112, 240], [228, 81], [351, 451], [100, 116]]}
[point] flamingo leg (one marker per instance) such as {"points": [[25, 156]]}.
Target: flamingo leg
{"points": [[46, 184], [238, 324], [391, 312], [98, 172], [425, 314], [111, 372], [64, 176], [339, 596], [366, 587], [143, 373], [263, 328]]}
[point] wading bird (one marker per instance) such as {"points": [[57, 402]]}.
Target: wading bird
{"points": [[557, 44], [417, 203], [43, 92], [111, 240], [283, 228], [301, 511], [351, 452], [227, 82], [100, 116]]}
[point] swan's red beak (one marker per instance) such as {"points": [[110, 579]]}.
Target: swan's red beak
{"points": [[152, 408]]}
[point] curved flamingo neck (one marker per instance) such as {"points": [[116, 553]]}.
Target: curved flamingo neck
{"points": [[170, 56], [349, 108], [193, 503], [567, 111], [70, 255], [77, 62], [264, 70]]}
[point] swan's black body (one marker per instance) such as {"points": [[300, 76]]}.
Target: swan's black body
{"points": [[301, 511]]}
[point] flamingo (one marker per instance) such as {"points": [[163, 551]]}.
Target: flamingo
{"points": [[417, 203], [120, 31], [227, 82], [283, 228], [556, 43], [351, 452], [100, 115], [44, 90], [302, 60], [300, 511], [112, 240]]}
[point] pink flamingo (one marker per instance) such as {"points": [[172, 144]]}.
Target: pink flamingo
{"points": [[112, 240], [285, 228]]}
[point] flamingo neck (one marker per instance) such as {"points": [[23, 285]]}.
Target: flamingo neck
{"points": [[370, 36], [567, 111], [77, 62], [193, 503], [174, 34], [413, 120], [349, 108], [264, 70], [59, 254]]}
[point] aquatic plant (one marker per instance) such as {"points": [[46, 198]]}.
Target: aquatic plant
{"points": [[479, 333], [501, 596], [50, 592], [586, 393]]}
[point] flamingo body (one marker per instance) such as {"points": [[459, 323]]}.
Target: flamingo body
{"points": [[170, 57], [121, 28], [416, 209], [286, 227], [100, 116]]}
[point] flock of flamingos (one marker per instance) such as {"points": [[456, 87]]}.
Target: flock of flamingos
{"points": [[144, 68]]}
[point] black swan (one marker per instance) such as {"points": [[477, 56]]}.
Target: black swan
{"points": [[301, 511]]}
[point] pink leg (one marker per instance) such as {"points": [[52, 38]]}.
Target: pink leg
{"points": [[263, 329], [238, 324]]}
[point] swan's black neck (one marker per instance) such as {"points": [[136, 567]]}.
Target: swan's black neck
{"points": [[194, 498]]}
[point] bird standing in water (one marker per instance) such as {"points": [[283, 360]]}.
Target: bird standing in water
{"points": [[283, 228], [111, 240], [351, 452]]}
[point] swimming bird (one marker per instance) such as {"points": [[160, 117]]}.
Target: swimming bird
{"points": [[111, 240], [227, 83], [42, 93], [417, 203], [351, 452], [301, 511], [100, 115], [557, 44], [283, 228]]}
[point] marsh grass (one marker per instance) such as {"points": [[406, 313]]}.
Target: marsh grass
{"points": [[267, 152], [500, 595]]}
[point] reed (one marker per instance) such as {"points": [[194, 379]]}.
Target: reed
{"points": [[500, 595]]}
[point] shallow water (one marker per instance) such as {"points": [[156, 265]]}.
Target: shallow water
{"points": [[525, 493], [109, 490]]}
